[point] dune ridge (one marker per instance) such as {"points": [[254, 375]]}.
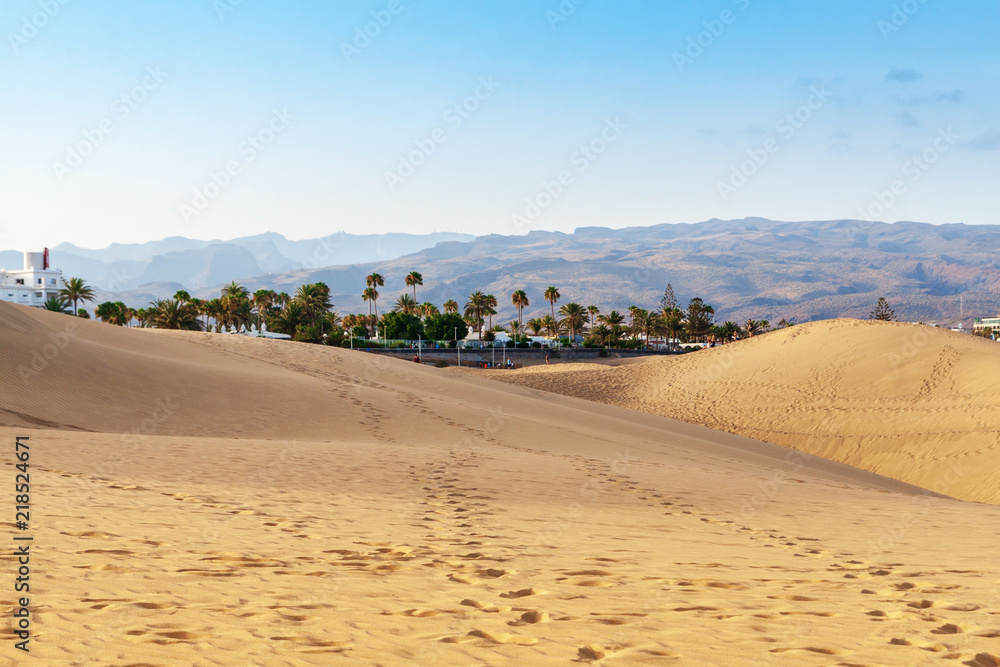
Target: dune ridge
{"points": [[911, 402]]}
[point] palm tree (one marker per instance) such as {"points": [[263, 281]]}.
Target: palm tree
{"points": [[574, 316], [535, 325], [174, 314], [520, 301], [405, 304], [601, 333], [112, 313], [515, 329], [262, 300], [240, 310], [647, 323], [234, 306], [552, 295], [314, 298], [75, 289], [332, 319], [199, 305], [235, 290], [287, 320], [673, 321], [614, 321], [375, 280], [633, 311], [491, 308], [594, 311], [618, 332], [551, 325], [727, 331], [370, 294], [428, 309], [752, 327], [450, 306], [475, 308], [182, 296], [56, 305], [412, 280], [612, 318], [213, 309]]}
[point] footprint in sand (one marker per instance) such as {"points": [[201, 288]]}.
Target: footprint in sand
{"points": [[592, 652], [504, 638], [524, 592], [414, 613], [533, 616]]}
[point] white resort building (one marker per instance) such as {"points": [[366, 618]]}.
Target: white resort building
{"points": [[991, 324], [32, 285]]}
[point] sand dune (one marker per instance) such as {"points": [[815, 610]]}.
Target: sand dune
{"points": [[203, 499], [911, 402]]}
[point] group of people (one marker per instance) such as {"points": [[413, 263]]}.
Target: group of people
{"points": [[490, 364]]}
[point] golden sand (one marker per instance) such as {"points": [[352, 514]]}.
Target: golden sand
{"points": [[907, 401], [206, 499]]}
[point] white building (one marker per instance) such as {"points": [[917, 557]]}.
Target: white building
{"points": [[32, 285], [989, 324]]}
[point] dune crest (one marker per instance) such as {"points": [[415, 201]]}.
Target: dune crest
{"points": [[911, 402]]}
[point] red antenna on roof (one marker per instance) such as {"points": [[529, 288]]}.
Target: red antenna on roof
{"points": [[45, 264]]}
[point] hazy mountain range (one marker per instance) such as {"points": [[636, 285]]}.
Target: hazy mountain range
{"points": [[745, 268], [200, 264]]}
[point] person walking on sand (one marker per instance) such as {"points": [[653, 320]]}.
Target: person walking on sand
{"points": [[416, 359], [546, 360]]}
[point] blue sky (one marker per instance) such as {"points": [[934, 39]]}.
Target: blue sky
{"points": [[130, 121]]}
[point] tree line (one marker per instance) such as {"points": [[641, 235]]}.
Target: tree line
{"points": [[308, 316]]}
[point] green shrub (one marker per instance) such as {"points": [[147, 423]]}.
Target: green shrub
{"points": [[400, 325], [602, 352], [443, 325]]}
